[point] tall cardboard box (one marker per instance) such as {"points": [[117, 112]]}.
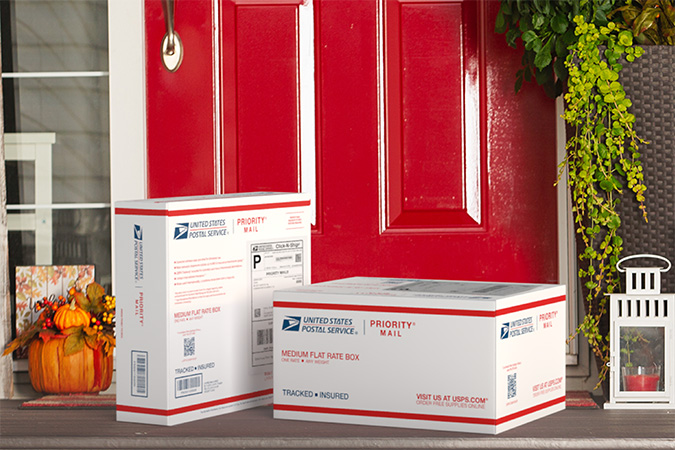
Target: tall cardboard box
{"points": [[441, 355], [194, 280]]}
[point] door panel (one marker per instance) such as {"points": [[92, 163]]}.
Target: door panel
{"points": [[181, 132], [260, 75], [434, 152], [427, 164], [491, 215]]}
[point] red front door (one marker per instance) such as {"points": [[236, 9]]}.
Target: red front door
{"points": [[427, 164]]}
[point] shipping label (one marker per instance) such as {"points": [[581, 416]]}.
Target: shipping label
{"points": [[274, 265]]}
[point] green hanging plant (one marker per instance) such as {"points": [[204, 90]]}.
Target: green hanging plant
{"points": [[546, 29], [578, 45], [603, 161]]}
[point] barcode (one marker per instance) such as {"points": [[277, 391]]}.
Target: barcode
{"points": [[189, 385], [264, 336], [511, 385], [141, 377], [139, 374], [189, 346]]}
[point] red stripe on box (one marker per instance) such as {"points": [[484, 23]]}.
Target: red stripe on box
{"points": [[533, 409], [383, 414], [222, 209], [413, 310], [548, 301], [196, 407], [140, 212], [385, 309], [414, 416]]}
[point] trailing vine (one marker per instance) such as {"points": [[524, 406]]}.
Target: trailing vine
{"points": [[603, 160], [546, 29]]}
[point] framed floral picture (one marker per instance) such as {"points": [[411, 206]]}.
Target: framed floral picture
{"points": [[34, 283]]}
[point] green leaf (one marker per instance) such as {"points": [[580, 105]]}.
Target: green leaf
{"points": [[534, 45], [82, 301], [543, 57], [525, 24], [506, 8], [569, 38], [625, 38], [511, 37], [619, 169], [614, 223], [601, 16], [519, 83], [539, 21], [95, 292], [72, 330], [529, 36], [560, 70], [559, 23], [542, 6], [73, 343], [606, 185], [500, 23], [560, 48], [542, 76], [617, 184]]}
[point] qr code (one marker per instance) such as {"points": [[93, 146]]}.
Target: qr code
{"points": [[511, 385], [189, 346]]}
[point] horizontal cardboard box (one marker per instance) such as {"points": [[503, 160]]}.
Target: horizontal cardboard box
{"points": [[194, 283], [442, 355]]}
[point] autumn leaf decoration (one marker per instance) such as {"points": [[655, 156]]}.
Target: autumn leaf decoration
{"points": [[83, 318]]}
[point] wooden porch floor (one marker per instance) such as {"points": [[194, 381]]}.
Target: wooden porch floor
{"points": [[255, 428]]}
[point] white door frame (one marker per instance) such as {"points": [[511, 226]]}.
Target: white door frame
{"points": [[128, 129], [126, 47], [128, 143]]}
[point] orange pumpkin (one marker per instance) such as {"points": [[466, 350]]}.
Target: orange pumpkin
{"points": [[52, 372], [71, 316]]}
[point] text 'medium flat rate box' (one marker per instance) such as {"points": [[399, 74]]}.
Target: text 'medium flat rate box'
{"points": [[194, 283], [442, 355]]}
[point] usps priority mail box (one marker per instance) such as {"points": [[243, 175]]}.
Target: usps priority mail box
{"points": [[443, 355], [194, 282]]}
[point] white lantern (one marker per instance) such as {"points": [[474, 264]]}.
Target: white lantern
{"points": [[641, 341]]}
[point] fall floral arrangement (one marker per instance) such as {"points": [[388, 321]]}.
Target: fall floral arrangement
{"points": [[83, 318]]}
